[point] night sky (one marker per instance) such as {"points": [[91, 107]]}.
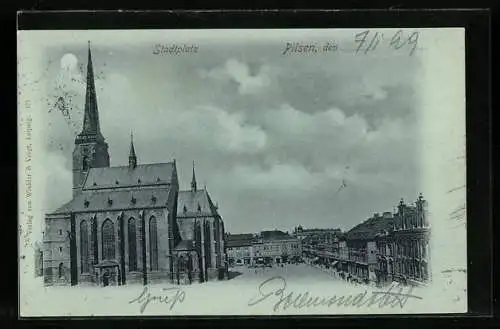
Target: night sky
{"points": [[321, 140]]}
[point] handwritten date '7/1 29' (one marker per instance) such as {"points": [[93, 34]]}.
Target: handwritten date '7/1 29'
{"points": [[368, 41]]}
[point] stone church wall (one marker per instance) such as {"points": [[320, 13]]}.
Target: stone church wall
{"points": [[56, 251], [134, 276]]}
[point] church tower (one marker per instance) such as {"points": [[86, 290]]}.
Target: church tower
{"points": [[91, 151]]}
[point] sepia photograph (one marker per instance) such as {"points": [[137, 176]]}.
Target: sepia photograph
{"points": [[242, 172]]}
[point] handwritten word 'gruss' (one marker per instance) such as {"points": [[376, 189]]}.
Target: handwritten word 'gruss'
{"points": [[276, 287], [368, 41], [177, 296]]}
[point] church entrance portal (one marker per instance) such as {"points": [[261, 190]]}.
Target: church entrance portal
{"points": [[105, 279], [108, 273]]}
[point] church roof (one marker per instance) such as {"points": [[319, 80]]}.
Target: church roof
{"points": [[123, 176], [195, 204], [109, 200]]}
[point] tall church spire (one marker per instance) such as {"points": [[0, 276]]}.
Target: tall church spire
{"points": [[132, 158], [193, 181], [91, 116], [91, 150]]}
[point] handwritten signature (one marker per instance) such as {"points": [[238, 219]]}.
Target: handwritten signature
{"points": [[276, 286], [171, 297]]}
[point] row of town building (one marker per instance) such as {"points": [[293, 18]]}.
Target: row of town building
{"points": [[386, 247], [265, 248]]}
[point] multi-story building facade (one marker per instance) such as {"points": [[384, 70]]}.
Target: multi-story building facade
{"points": [[411, 243], [385, 257], [240, 249], [384, 248], [277, 251], [362, 246], [343, 256], [268, 247], [275, 247], [319, 245], [316, 235]]}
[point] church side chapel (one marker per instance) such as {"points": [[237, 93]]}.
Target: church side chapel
{"points": [[129, 224]]}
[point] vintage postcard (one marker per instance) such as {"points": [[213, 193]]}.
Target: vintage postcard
{"points": [[242, 172]]}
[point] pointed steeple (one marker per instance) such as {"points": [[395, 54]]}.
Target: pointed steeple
{"points": [[132, 158], [193, 181], [91, 116]]}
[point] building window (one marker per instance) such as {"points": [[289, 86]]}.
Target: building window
{"points": [[208, 244], [61, 270], [153, 244], [60, 249], [132, 245], [93, 239], [85, 163], [84, 247], [108, 240], [60, 232]]}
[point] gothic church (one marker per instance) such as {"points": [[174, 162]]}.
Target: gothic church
{"points": [[129, 224]]}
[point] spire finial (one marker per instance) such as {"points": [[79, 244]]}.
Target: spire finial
{"points": [[193, 180], [132, 158]]}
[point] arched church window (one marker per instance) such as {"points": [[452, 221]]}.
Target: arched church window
{"points": [[208, 245], [132, 245], [153, 244], [84, 247], [108, 240], [93, 239], [85, 163], [60, 271]]}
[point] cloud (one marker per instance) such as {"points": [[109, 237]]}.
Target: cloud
{"points": [[307, 128], [214, 127], [239, 73], [278, 177], [374, 91], [209, 126], [316, 140], [59, 177]]}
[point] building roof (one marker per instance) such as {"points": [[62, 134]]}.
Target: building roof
{"points": [[240, 240], [319, 230], [241, 236], [239, 243], [98, 200], [274, 235], [195, 204], [123, 176], [370, 228]]}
